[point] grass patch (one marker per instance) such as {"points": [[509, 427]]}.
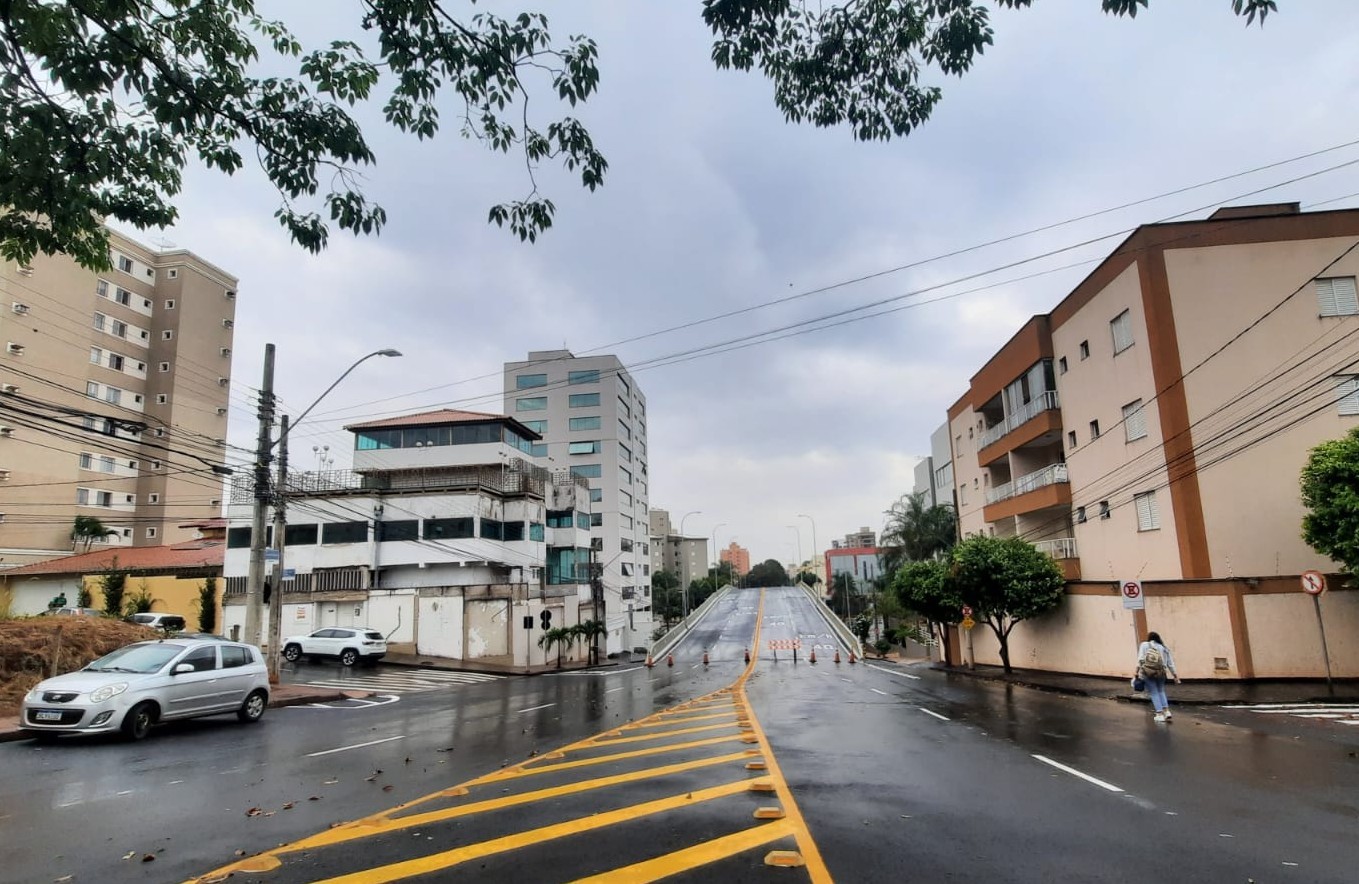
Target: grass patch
{"points": [[26, 647]]}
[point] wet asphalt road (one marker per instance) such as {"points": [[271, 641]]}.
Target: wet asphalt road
{"points": [[930, 778]]}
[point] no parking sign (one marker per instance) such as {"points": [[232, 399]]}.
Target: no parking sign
{"points": [[1133, 598]]}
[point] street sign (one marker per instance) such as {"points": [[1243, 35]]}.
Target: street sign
{"points": [[289, 573], [1133, 598], [968, 623], [1313, 582], [967, 611], [271, 555]]}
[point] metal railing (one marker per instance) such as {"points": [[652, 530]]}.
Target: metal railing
{"points": [[1024, 484], [519, 477], [1058, 548], [1030, 410]]}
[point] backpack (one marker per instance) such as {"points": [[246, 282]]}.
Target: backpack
{"points": [[1153, 663]]}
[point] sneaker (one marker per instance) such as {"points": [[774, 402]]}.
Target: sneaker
{"points": [[1168, 718], [1158, 717]]}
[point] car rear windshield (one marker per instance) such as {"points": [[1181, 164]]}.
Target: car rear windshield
{"points": [[143, 618], [172, 622], [137, 658], [373, 635]]}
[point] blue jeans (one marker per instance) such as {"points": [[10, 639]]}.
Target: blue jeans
{"points": [[1156, 687]]}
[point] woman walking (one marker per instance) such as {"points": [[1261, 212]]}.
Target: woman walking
{"points": [[1154, 664]]}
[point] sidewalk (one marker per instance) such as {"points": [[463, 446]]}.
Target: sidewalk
{"points": [[279, 695], [1190, 693], [490, 668]]}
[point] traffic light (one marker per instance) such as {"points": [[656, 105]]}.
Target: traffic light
{"points": [[546, 617]]}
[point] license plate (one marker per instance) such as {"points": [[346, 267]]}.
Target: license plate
{"points": [[46, 715]]}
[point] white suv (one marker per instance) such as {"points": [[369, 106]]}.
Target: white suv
{"points": [[349, 644]]}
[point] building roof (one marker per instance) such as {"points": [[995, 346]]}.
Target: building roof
{"points": [[205, 523], [427, 418], [191, 555]]}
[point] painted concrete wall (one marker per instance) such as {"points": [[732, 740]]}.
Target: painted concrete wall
{"points": [[1086, 634], [1286, 641], [967, 474], [440, 625]]}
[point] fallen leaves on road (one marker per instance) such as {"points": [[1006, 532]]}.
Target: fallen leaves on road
{"points": [[149, 858], [373, 776], [63, 879], [314, 798], [289, 805], [330, 782], [129, 854], [387, 788], [258, 811]]}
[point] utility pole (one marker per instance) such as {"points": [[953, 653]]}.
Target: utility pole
{"points": [[596, 599], [280, 526], [254, 580]]}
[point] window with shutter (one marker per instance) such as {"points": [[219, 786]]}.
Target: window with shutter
{"points": [[1347, 393], [1148, 518], [1336, 296], [1121, 328], [1134, 421]]}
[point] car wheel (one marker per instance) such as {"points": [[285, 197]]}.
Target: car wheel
{"points": [[138, 721], [252, 709], [349, 656], [292, 653]]}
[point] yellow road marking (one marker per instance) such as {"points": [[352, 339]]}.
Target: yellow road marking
{"points": [[693, 857], [616, 756], [671, 719], [448, 858], [662, 734], [382, 824]]}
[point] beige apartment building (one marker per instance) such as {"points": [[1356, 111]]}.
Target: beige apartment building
{"points": [[1153, 427], [114, 390]]}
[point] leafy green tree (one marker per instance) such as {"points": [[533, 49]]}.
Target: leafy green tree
{"points": [[808, 578], [113, 584], [667, 601], [1330, 493], [588, 633], [914, 531], [770, 572], [1006, 580], [207, 605], [105, 103], [844, 598], [927, 588], [559, 637], [86, 529], [86, 598], [139, 602]]}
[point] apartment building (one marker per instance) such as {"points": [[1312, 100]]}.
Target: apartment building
{"points": [[591, 417], [738, 557], [1153, 427], [448, 536], [685, 557], [114, 391]]}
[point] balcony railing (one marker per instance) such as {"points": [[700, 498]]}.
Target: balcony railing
{"points": [[1031, 482], [1034, 407], [1060, 548]]}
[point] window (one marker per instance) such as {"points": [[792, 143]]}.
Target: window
{"points": [[624, 430], [582, 400], [1148, 519], [1336, 296], [623, 406], [596, 520], [155, 464], [344, 532], [101, 288], [400, 529], [122, 296], [125, 265], [1061, 365], [154, 497], [625, 499], [99, 321], [86, 462], [299, 535], [1085, 349], [92, 389], [588, 470], [170, 302], [583, 423], [583, 448], [150, 532], [233, 656], [1347, 393], [165, 366], [113, 395], [96, 355], [532, 403], [1080, 515], [492, 529], [528, 381], [162, 398], [514, 531], [1104, 509], [538, 449], [624, 476], [624, 452], [536, 531], [560, 518], [626, 568], [116, 362], [167, 335], [583, 521], [448, 529], [539, 427], [596, 495], [1121, 329], [1094, 430], [1134, 421], [105, 464], [583, 377]]}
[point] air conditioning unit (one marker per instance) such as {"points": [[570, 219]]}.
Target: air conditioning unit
{"points": [[6, 432], [226, 351], [222, 382], [4, 475], [2, 517], [14, 349], [9, 388], [221, 411], [21, 309], [228, 323]]}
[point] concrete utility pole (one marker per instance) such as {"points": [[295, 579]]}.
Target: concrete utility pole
{"points": [[815, 549], [254, 580], [280, 526]]}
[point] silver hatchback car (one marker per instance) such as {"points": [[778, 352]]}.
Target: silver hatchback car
{"points": [[139, 685]]}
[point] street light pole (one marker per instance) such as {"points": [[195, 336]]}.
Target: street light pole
{"points": [[816, 550], [684, 584], [280, 526], [715, 557], [795, 530]]}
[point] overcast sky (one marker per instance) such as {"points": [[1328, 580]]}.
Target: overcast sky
{"points": [[713, 203]]}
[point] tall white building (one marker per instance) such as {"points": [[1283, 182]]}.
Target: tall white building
{"points": [[591, 416]]}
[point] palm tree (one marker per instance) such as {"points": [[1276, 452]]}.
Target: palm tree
{"points": [[589, 632], [560, 637], [88, 529], [914, 532]]}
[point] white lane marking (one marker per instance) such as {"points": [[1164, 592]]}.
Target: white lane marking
{"points": [[611, 690], [174, 782], [1075, 773], [355, 746], [124, 792], [602, 672], [893, 672], [935, 714], [876, 691], [535, 708]]}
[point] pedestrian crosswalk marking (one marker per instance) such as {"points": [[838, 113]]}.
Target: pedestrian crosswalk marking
{"points": [[412, 681], [1340, 713]]}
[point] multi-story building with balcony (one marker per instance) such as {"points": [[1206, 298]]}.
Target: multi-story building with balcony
{"points": [[114, 392], [448, 536], [1153, 427], [738, 557], [591, 417], [685, 557]]}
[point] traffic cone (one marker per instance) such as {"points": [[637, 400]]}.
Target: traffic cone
{"points": [[649, 662], [837, 656], [705, 658], [851, 657], [670, 660], [812, 659], [747, 655]]}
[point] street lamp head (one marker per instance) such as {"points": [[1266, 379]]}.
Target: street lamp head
{"points": [[389, 352]]}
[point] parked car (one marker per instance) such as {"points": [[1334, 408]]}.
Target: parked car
{"points": [[72, 612], [142, 684], [349, 643], [167, 622]]}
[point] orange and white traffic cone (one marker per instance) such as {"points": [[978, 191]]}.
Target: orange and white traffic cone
{"points": [[812, 658], [837, 656], [747, 655], [851, 656], [670, 660], [705, 658], [649, 662]]}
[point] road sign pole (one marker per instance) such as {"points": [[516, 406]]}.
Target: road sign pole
{"points": [[1326, 654]]}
